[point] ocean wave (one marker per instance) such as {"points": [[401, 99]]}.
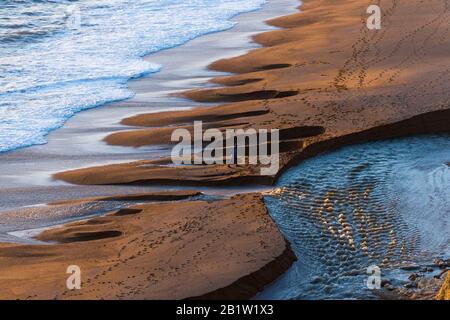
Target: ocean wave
{"points": [[49, 72]]}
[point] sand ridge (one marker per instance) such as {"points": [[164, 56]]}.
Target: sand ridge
{"points": [[222, 249], [324, 79], [322, 69]]}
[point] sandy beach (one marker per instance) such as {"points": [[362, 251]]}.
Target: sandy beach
{"points": [[252, 265], [319, 75], [337, 97], [29, 171], [161, 250]]}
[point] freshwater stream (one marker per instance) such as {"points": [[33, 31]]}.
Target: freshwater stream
{"points": [[384, 203]]}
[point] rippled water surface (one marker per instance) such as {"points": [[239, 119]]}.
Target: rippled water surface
{"points": [[61, 57], [385, 203]]}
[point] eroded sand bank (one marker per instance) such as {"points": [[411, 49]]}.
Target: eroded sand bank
{"points": [[325, 80], [155, 250]]}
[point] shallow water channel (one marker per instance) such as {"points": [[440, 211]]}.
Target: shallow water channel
{"points": [[383, 203]]}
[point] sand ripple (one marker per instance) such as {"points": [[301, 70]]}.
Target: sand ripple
{"points": [[383, 203]]}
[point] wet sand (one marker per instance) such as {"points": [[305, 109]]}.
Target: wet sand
{"points": [[123, 234], [325, 80], [156, 250], [80, 142]]}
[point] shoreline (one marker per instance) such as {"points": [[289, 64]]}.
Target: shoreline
{"points": [[28, 171], [150, 249], [349, 93], [67, 241], [265, 70]]}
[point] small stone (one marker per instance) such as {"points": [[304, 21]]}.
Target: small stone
{"points": [[442, 273], [414, 277], [316, 280], [328, 289], [440, 263], [385, 283]]}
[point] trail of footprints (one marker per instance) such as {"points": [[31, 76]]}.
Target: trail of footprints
{"points": [[193, 233]]}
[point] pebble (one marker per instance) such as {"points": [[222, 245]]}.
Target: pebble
{"points": [[414, 276], [316, 280], [385, 283], [440, 263]]}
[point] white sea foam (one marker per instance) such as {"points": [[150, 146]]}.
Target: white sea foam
{"points": [[49, 72]]}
